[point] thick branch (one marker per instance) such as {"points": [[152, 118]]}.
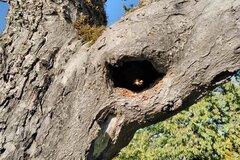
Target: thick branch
{"points": [[58, 100]]}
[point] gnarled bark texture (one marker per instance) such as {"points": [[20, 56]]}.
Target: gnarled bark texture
{"points": [[57, 98]]}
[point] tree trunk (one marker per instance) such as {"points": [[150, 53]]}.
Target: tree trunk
{"points": [[61, 99]]}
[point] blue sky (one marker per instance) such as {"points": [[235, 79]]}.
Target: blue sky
{"points": [[113, 8], [3, 13]]}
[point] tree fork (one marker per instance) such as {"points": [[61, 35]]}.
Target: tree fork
{"points": [[58, 99]]}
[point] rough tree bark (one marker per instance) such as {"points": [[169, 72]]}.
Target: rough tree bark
{"points": [[57, 98]]}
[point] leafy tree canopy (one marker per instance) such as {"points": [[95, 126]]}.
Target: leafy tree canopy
{"points": [[208, 130]]}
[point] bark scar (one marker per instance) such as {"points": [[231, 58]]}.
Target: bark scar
{"points": [[237, 50]]}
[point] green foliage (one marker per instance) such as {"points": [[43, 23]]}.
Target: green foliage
{"points": [[208, 130], [88, 31], [91, 24], [131, 8]]}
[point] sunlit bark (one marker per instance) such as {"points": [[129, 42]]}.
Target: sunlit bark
{"points": [[58, 99]]}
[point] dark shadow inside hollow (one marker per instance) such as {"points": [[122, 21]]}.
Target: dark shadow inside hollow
{"points": [[135, 75]]}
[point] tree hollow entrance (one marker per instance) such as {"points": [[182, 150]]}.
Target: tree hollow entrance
{"points": [[135, 75]]}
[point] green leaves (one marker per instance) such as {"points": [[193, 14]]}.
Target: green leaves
{"points": [[207, 130]]}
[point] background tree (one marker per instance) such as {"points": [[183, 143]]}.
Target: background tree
{"points": [[207, 130], [59, 97]]}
